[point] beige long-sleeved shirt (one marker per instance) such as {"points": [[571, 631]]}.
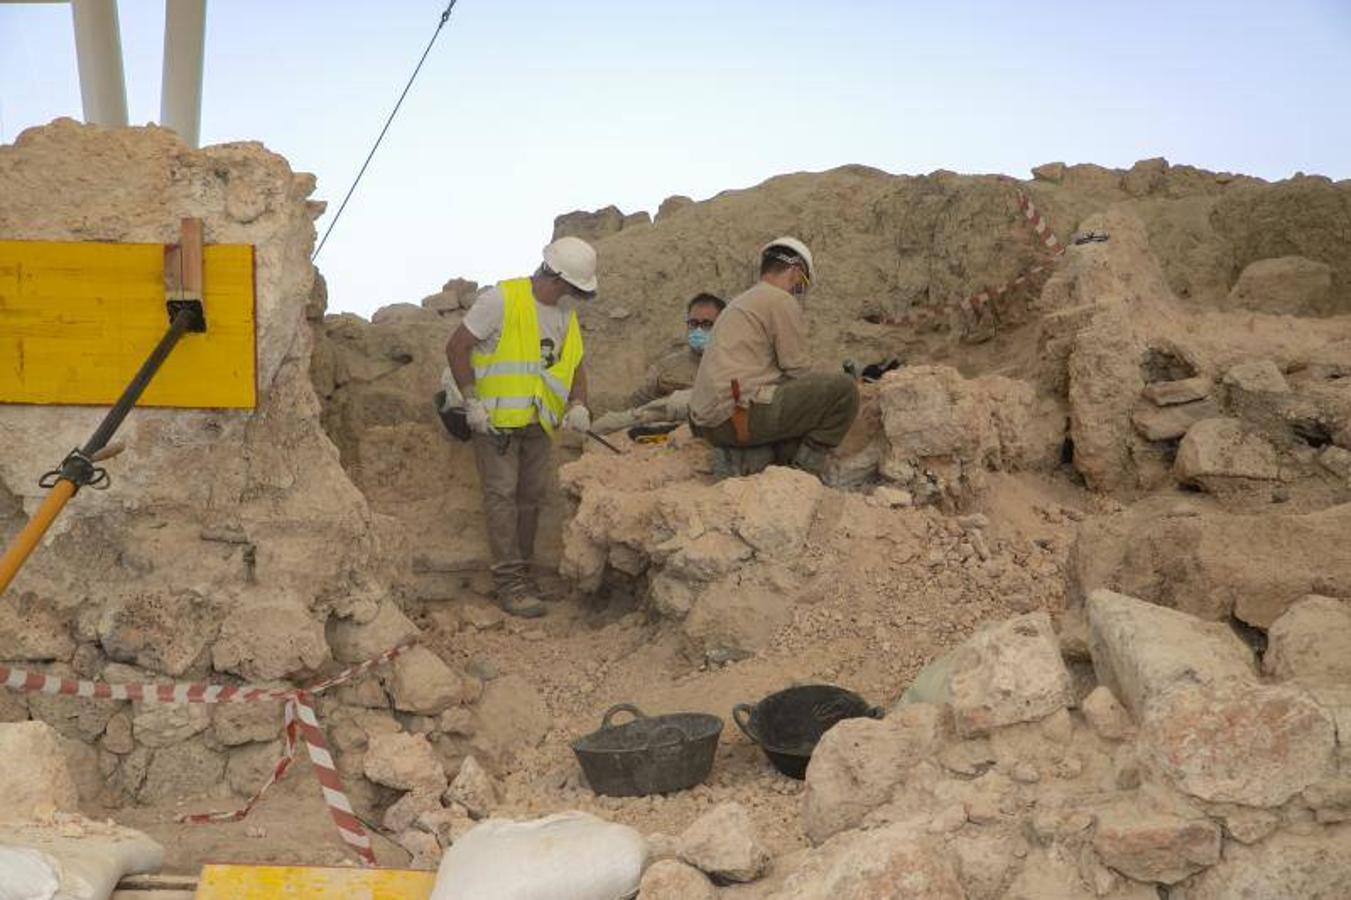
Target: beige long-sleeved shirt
{"points": [[673, 372], [760, 339]]}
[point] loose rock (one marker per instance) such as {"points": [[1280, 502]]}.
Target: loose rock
{"points": [[723, 844], [404, 761], [34, 780], [473, 789], [1106, 716], [1152, 846], [670, 879], [1312, 640], [1141, 650], [1006, 673], [1257, 745]]}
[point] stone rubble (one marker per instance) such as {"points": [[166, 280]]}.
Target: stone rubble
{"points": [[1127, 686]]}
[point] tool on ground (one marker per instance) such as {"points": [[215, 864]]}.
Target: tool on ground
{"points": [[1090, 237], [657, 433], [649, 754], [301, 724], [183, 290], [872, 371], [604, 443], [787, 725], [740, 416]]}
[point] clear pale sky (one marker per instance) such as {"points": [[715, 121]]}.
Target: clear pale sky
{"points": [[528, 109]]}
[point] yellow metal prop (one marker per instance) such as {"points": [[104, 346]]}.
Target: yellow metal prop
{"points": [[78, 319], [221, 881]]}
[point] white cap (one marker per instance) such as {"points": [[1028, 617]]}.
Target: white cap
{"points": [[794, 248], [574, 260]]}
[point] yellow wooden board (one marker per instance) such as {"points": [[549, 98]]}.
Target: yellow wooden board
{"points": [[220, 881], [78, 319]]}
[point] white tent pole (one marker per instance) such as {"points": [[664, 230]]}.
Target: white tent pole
{"points": [[184, 47], [98, 51]]}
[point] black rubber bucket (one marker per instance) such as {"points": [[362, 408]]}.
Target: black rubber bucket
{"points": [[787, 725], [650, 754]]}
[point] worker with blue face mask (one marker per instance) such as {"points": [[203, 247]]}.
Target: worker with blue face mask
{"points": [[675, 371]]}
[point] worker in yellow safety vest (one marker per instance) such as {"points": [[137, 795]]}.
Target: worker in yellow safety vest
{"points": [[517, 362]]}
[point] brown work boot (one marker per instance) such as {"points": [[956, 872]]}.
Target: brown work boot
{"points": [[520, 601]]}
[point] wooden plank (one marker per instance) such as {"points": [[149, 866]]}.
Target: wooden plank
{"points": [[222, 881], [77, 319]]}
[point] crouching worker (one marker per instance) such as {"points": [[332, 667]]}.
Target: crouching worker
{"points": [[517, 362], [755, 387], [663, 399]]}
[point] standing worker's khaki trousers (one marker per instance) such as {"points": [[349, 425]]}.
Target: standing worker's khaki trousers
{"points": [[514, 468]]}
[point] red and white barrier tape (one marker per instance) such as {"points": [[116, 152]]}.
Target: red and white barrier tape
{"points": [[1039, 225], [976, 305], [301, 723]]}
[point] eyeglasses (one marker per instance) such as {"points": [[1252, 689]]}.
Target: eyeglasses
{"points": [[704, 324]]}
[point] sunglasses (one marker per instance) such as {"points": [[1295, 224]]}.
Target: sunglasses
{"points": [[704, 324]]}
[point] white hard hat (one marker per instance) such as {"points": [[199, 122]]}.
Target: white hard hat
{"points": [[574, 260], [795, 248]]}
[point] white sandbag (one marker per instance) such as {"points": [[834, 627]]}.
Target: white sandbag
{"points": [[28, 874], [90, 857], [568, 856]]}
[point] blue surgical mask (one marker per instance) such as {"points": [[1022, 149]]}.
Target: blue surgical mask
{"points": [[698, 339]]}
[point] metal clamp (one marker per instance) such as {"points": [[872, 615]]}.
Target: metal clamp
{"points": [[79, 470]]}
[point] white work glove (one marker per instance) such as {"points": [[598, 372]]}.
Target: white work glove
{"points": [[478, 417], [678, 406], [578, 419]]}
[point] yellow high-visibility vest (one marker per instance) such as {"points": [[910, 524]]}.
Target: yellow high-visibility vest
{"points": [[513, 381]]}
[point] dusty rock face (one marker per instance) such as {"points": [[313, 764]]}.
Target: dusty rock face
{"points": [[705, 549], [894, 861], [473, 789], [1105, 715], [942, 431], [230, 569], [34, 778], [186, 769], [1257, 745], [1283, 867], [1141, 651], [270, 637], [1151, 846], [1216, 564], [419, 682], [724, 845], [1007, 673], [1297, 217], [855, 769], [670, 879], [1172, 393], [509, 717], [405, 762], [1311, 640], [592, 226], [1218, 449]]}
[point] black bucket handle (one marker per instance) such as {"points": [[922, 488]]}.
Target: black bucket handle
{"points": [[741, 715], [619, 708]]}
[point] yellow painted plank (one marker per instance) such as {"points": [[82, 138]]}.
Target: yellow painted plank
{"points": [[77, 319], [222, 881]]}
